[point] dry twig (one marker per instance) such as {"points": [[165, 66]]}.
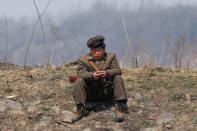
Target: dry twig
{"points": [[43, 33]]}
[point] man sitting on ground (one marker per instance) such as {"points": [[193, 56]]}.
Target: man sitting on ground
{"points": [[99, 79]]}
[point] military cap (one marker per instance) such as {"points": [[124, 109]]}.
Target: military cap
{"points": [[96, 41]]}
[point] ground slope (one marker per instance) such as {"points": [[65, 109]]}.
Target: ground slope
{"points": [[158, 99]]}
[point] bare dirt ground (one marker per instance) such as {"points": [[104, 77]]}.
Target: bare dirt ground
{"points": [[159, 99]]}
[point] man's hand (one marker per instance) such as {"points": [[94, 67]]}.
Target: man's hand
{"points": [[96, 75], [103, 73]]}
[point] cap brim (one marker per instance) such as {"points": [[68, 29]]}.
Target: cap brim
{"points": [[96, 44]]}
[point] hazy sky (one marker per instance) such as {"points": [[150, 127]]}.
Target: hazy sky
{"points": [[20, 8]]}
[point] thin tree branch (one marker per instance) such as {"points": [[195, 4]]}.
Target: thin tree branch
{"points": [[125, 29], [164, 47], [139, 12], [93, 27], [43, 33], [32, 33], [124, 25], [126, 34], [6, 39]]}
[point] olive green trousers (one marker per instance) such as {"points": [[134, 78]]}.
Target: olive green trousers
{"points": [[84, 91]]}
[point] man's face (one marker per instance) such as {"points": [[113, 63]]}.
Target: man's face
{"points": [[97, 52]]}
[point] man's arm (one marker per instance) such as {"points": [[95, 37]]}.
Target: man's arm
{"points": [[83, 72], [114, 68]]}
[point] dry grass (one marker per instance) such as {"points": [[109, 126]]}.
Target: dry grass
{"points": [[167, 90]]}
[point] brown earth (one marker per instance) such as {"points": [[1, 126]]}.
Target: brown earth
{"points": [[159, 100]]}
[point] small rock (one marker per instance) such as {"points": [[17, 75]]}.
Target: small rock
{"points": [[131, 102], [67, 116], [165, 117], [2, 107], [10, 97], [10, 103], [140, 111], [169, 126], [149, 103], [151, 129], [141, 105], [32, 103], [87, 129], [21, 99]]}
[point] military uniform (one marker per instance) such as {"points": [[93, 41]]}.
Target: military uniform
{"points": [[86, 88]]}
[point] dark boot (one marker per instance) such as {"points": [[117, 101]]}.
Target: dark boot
{"points": [[119, 114], [124, 107], [120, 109], [79, 113]]}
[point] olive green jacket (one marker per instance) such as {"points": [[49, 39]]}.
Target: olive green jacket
{"points": [[108, 63]]}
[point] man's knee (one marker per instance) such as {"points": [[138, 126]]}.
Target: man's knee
{"points": [[80, 81], [118, 78], [119, 88], [78, 90]]}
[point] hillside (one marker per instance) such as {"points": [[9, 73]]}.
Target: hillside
{"points": [[159, 99]]}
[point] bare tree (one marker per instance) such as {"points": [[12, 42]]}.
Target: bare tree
{"points": [[142, 55], [190, 58], [4, 35], [43, 32], [6, 39], [130, 45], [32, 33], [178, 52], [164, 48], [126, 34], [1, 32], [54, 31]]}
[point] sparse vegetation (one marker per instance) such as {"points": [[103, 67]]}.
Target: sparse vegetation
{"points": [[45, 108], [48, 92]]}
